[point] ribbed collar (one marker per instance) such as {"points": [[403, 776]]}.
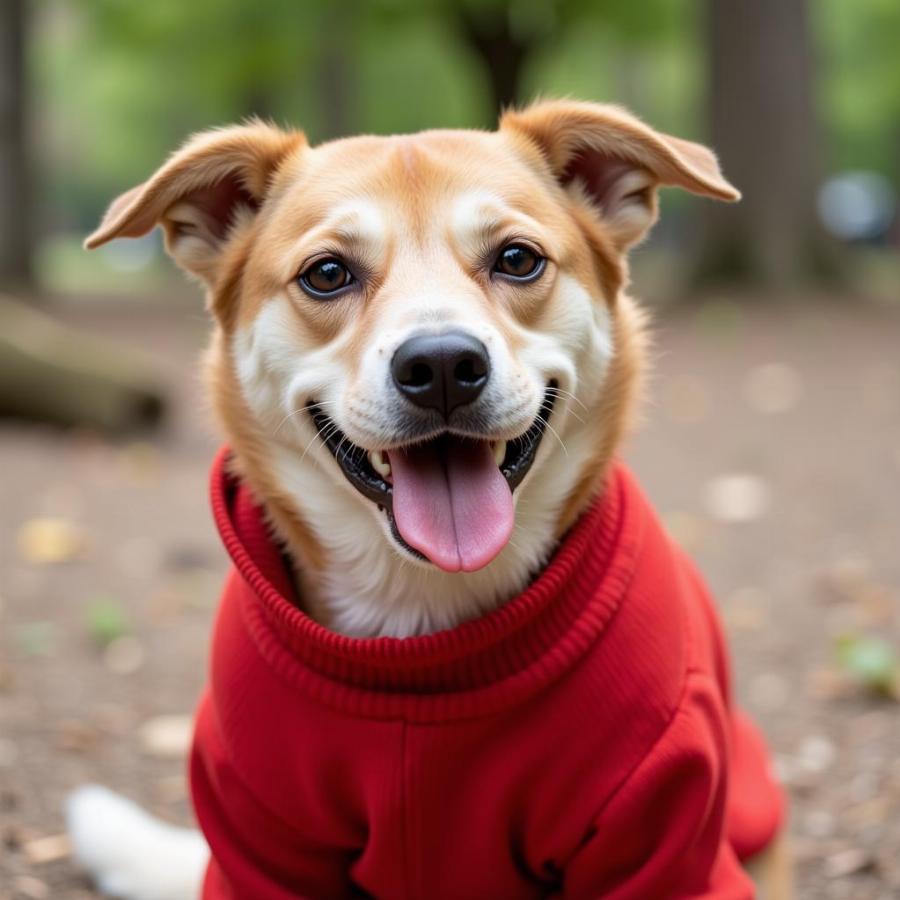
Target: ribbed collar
{"points": [[470, 670]]}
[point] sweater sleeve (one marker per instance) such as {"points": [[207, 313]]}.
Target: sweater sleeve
{"points": [[662, 833], [254, 854]]}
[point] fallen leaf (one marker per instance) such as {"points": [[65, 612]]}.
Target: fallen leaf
{"points": [[828, 684], [106, 621], [76, 736], [870, 812], [113, 718], [30, 887], [13, 836], [848, 862], [738, 497], [141, 461], [166, 737], [47, 849], [46, 541], [846, 576], [817, 754], [873, 662], [124, 655]]}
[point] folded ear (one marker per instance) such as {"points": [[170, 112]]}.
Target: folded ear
{"points": [[215, 180], [617, 160]]}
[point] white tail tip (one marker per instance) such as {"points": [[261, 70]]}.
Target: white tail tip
{"points": [[130, 854]]}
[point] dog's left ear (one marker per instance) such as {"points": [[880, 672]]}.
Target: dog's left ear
{"points": [[216, 181], [617, 160]]}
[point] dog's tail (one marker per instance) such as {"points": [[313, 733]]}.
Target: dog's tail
{"points": [[130, 854]]}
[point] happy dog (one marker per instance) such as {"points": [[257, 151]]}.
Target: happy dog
{"points": [[457, 655]]}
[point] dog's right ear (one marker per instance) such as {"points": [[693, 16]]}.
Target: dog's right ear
{"points": [[214, 181]]}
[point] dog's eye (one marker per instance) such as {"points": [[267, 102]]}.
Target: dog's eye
{"points": [[520, 262], [325, 277]]}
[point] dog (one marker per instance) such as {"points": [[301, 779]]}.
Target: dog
{"points": [[457, 655]]}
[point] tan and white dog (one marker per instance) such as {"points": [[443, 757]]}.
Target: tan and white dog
{"points": [[382, 302]]}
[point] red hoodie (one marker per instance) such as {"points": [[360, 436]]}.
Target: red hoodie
{"points": [[579, 742]]}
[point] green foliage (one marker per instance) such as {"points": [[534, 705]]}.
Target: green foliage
{"points": [[118, 84], [105, 619], [859, 83], [872, 661], [414, 77]]}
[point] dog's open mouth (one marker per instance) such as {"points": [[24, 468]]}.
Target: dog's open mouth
{"points": [[448, 499]]}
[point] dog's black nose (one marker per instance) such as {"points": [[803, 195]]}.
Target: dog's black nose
{"points": [[441, 371]]}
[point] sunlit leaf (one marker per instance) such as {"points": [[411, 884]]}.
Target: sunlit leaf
{"points": [[106, 621], [873, 661]]}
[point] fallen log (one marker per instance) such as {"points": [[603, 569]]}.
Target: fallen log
{"points": [[52, 373]]}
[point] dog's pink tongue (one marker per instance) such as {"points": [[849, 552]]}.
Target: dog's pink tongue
{"points": [[452, 504]]}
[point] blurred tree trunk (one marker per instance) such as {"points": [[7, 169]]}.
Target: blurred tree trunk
{"points": [[763, 127], [15, 206], [49, 372], [336, 70], [489, 33], [256, 104]]}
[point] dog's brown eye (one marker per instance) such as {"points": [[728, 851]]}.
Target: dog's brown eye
{"points": [[327, 276], [519, 261]]}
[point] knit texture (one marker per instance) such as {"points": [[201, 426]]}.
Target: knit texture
{"points": [[578, 742]]}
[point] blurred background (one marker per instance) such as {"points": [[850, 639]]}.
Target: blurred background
{"points": [[772, 440]]}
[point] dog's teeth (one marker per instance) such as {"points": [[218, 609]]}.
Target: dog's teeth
{"points": [[499, 452], [380, 464]]}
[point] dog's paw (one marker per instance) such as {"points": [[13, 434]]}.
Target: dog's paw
{"points": [[130, 854]]}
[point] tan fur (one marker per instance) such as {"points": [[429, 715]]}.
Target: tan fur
{"points": [[773, 871], [415, 172], [250, 460], [615, 415]]}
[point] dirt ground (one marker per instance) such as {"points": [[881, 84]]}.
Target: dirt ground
{"points": [[772, 448]]}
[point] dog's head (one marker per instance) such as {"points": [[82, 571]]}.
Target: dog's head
{"points": [[425, 333]]}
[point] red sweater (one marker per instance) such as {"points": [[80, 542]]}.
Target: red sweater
{"points": [[579, 742]]}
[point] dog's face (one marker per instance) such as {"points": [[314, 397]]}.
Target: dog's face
{"points": [[427, 332]]}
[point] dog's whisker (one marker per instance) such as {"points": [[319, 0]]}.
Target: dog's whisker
{"points": [[574, 399], [553, 431], [280, 425], [302, 409], [341, 443], [323, 436], [562, 392], [514, 545], [312, 440], [576, 417]]}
